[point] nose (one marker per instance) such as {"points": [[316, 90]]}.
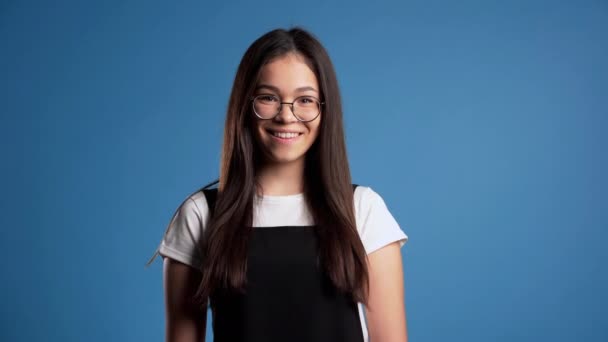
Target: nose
{"points": [[285, 114]]}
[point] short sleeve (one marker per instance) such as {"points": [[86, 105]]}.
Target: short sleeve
{"points": [[376, 225], [182, 236]]}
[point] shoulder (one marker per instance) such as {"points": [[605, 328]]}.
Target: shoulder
{"points": [[197, 202], [375, 223], [362, 191], [185, 229], [365, 200], [192, 212], [365, 197]]}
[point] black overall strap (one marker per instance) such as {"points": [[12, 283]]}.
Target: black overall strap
{"points": [[210, 196]]}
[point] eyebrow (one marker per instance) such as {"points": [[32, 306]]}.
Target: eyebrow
{"points": [[271, 87]]}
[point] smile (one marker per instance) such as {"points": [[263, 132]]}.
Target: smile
{"points": [[284, 136]]}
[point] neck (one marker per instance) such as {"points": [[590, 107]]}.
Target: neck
{"points": [[280, 179]]}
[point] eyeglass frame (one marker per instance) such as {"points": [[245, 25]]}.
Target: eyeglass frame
{"points": [[253, 97]]}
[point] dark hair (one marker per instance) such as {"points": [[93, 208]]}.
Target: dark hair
{"points": [[327, 185]]}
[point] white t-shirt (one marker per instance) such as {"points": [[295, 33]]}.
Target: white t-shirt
{"points": [[375, 225]]}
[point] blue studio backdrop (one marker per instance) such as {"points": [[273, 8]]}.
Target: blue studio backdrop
{"points": [[481, 123]]}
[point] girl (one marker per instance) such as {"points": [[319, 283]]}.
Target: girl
{"points": [[286, 248]]}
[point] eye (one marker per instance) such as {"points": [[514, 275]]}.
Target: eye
{"points": [[306, 101], [267, 98]]}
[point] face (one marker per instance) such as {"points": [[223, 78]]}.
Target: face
{"points": [[287, 78]]}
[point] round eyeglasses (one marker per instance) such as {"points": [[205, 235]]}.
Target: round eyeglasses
{"points": [[304, 108]]}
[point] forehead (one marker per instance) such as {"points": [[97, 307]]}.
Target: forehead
{"points": [[288, 73]]}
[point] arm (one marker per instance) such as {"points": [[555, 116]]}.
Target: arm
{"points": [[184, 321], [386, 312]]}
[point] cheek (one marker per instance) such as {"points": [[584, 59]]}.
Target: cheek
{"points": [[258, 131], [314, 130]]}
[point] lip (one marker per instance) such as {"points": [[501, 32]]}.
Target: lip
{"points": [[282, 130], [284, 140]]}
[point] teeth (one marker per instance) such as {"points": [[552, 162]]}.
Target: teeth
{"points": [[285, 135]]}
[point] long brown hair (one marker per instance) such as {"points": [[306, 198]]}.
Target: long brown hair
{"points": [[327, 185]]}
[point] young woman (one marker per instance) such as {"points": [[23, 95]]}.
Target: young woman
{"points": [[286, 248]]}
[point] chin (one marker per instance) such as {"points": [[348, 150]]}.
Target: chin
{"points": [[285, 158]]}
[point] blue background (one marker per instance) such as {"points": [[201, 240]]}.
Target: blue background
{"points": [[482, 124]]}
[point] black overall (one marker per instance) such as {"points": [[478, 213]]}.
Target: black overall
{"points": [[288, 298]]}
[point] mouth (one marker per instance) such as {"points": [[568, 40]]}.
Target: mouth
{"points": [[284, 136]]}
